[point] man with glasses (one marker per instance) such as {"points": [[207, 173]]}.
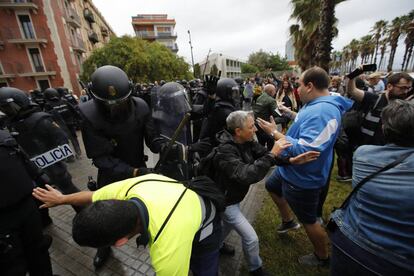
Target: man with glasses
{"points": [[398, 87]]}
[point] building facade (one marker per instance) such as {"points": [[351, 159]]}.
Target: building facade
{"points": [[230, 67], [156, 27], [43, 43]]}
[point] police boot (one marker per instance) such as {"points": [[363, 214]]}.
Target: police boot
{"points": [[101, 257]]}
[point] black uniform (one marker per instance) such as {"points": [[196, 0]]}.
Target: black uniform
{"points": [[216, 121], [67, 116], [23, 247], [37, 133], [117, 148]]}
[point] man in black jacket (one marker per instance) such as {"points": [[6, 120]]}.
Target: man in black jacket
{"points": [[239, 162]]}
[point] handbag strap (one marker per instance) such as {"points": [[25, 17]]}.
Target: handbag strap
{"points": [[363, 181], [169, 215]]}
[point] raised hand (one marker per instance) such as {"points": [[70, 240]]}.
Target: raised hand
{"points": [[279, 146]]}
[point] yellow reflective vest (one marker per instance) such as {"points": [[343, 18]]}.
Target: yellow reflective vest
{"points": [[171, 253]]}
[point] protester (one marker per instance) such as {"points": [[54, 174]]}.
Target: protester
{"points": [[398, 86], [299, 187], [239, 163], [374, 232], [181, 228], [375, 84]]}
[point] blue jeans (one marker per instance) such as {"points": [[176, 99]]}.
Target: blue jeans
{"points": [[350, 259], [233, 219]]}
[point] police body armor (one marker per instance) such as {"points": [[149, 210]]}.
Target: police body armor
{"points": [[28, 134], [126, 137], [11, 161], [171, 105]]}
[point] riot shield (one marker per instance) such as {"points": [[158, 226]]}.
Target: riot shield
{"points": [[170, 105]]}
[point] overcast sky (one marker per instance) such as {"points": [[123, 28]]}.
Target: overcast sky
{"points": [[240, 27]]}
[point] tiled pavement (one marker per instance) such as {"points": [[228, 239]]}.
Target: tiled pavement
{"points": [[70, 259]]}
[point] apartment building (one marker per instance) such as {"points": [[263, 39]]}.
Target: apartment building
{"points": [[43, 43], [230, 67], [156, 27]]}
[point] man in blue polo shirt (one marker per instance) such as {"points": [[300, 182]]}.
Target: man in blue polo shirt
{"points": [[299, 187]]}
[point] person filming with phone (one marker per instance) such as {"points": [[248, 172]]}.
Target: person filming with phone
{"points": [[398, 86]]}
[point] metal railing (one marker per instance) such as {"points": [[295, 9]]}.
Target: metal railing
{"points": [[73, 16]]}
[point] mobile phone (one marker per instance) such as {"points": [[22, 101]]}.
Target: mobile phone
{"points": [[359, 71]]}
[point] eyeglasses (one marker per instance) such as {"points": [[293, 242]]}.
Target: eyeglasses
{"points": [[404, 87]]}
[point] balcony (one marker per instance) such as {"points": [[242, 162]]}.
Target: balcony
{"points": [[78, 45], [145, 34], [39, 71], [24, 37], [87, 13], [173, 48], [93, 37], [18, 5], [166, 35], [72, 17]]}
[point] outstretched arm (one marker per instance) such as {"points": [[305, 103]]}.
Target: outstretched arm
{"points": [[52, 197]]}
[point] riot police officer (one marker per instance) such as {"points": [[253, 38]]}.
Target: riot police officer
{"points": [[38, 134], [170, 106], [65, 113], [227, 98], [37, 97], [114, 128], [67, 96], [23, 247]]}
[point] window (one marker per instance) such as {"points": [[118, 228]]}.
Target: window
{"points": [[27, 26], [43, 84], [36, 59], [3, 83]]}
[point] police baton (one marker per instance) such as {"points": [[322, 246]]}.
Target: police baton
{"points": [[177, 132]]}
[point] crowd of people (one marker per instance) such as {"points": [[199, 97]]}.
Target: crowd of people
{"points": [[216, 138]]}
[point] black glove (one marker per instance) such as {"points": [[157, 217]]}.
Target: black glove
{"points": [[173, 153], [144, 170], [200, 146], [210, 83]]}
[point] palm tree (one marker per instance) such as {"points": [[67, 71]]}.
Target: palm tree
{"points": [[326, 33], [383, 47], [393, 36], [354, 50], [407, 28], [378, 31], [305, 32], [409, 41], [346, 57], [366, 48]]}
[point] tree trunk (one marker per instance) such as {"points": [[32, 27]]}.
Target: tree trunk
{"points": [[405, 57], [323, 55], [410, 52], [391, 59]]}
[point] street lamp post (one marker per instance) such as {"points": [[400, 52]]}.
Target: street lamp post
{"points": [[191, 48]]}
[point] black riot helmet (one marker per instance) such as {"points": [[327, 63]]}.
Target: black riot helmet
{"points": [[172, 99], [51, 94], [228, 90], [62, 91], [111, 90], [12, 101]]}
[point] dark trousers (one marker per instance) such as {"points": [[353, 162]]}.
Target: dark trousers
{"points": [[205, 265], [21, 235]]}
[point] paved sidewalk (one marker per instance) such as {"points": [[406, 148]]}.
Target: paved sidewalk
{"points": [[70, 259]]}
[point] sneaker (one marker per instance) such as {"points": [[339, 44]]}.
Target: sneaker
{"points": [[313, 260], [344, 178], [287, 226], [259, 272], [227, 249]]}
